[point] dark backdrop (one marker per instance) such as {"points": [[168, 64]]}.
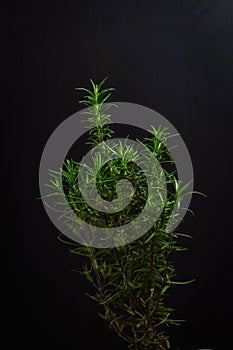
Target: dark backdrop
{"points": [[175, 57]]}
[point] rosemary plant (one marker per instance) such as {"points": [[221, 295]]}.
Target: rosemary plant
{"points": [[131, 281]]}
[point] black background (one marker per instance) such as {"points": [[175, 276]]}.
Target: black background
{"points": [[175, 57]]}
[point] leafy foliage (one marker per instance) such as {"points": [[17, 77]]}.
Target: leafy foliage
{"points": [[132, 281]]}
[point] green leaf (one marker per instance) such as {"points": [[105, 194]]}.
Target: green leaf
{"points": [[168, 343], [83, 89], [183, 235], [102, 82], [183, 282], [103, 316], [182, 189], [165, 288]]}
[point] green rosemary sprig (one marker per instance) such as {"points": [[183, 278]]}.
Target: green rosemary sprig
{"points": [[132, 282]]}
